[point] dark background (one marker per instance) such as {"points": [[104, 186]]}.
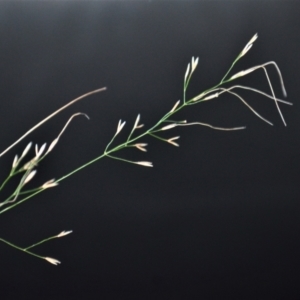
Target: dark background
{"points": [[216, 218]]}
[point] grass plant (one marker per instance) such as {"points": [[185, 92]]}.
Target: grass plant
{"points": [[135, 139]]}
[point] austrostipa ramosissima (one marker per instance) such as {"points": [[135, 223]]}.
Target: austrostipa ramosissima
{"points": [[28, 170]]}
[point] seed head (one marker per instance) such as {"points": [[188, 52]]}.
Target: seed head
{"points": [[49, 184], [64, 233], [211, 96], [39, 152], [15, 162], [194, 63], [171, 141], [187, 72], [253, 39], [27, 148], [52, 145], [249, 45], [120, 126], [141, 146], [136, 123], [29, 177], [30, 164], [243, 73], [199, 96], [52, 260], [175, 106], [145, 163], [169, 126]]}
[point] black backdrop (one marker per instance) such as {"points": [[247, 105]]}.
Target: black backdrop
{"points": [[217, 217]]}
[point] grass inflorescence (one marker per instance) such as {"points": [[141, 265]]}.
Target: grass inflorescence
{"points": [[27, 167]]}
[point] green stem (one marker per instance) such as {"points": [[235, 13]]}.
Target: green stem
{"points": [[5, 181], [157, 137], [20, 201], [121, 159], [232, 65], [41, 242], [21, 249]]}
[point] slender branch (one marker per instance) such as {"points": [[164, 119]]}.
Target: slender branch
{"points": [[21, 249]]}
